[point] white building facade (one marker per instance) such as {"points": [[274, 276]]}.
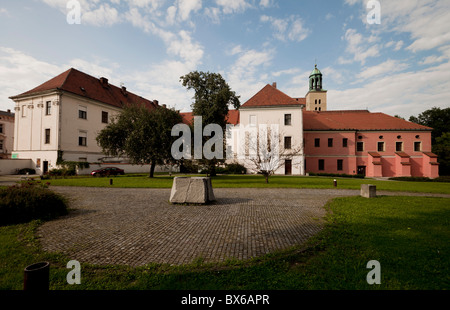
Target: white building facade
{"points": [[6, 134], [60, 119]]}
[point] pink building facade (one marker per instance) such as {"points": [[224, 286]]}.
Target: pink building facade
{"points": [[383, 146]]}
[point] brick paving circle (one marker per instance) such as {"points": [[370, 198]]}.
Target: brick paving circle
{"points": [[139, 226]]}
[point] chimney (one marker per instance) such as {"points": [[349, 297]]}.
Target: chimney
{"points": [[155, 102], [124, 90], [9, 111], [274, 84], [164, 106], [104, 81]]}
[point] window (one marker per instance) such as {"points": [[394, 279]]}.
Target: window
{"points": [[359, 146], [344, 142], [48, 108], [82, 138], [417, 146], [399, 146], [330, 142], [252, 120], [1, 145], [82, 159], [104, 117], [317, 142], [321, 164], [47, 136], [82, 112], [1, 128], [380, 147], [287, 119], [340, 164], [287, 143]]}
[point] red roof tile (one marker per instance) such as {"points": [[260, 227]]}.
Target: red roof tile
{"points": [[233, 117], [271, 96], [356, 120], [84, 85]]}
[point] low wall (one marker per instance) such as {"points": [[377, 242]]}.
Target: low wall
{"points": [[128, 168], [10, 166]]}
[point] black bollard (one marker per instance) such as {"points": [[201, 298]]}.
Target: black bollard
{"points": [[335, 183], [36, 277], [110, 181]]}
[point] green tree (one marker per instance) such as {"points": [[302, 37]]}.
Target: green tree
{"points": [[439, 120], [442, 149], [212, 99], [141, 135], [436, 118]]}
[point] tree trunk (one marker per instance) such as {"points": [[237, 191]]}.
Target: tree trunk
{"points": [[212, 170], [267, 178], [152, 170]]}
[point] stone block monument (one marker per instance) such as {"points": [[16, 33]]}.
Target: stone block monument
{"points": [[197, 190]]}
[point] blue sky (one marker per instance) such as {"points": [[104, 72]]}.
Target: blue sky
{"points": [[400, 66]]}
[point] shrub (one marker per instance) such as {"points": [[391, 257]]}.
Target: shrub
{"points": [[359, 176], [421, 179], [236, 168], [25, 170], [28, 201]]}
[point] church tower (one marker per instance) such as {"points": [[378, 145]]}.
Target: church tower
{"points": [[316, 98]]}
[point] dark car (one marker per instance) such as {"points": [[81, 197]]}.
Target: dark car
{"points": [[107, 171]]}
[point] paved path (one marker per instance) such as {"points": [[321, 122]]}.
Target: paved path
{"points": [[139, 226]]}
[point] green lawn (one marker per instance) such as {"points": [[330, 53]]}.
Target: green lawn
{"points": [[409, 236], [252, 181]]}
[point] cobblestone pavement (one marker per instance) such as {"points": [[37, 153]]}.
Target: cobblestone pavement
{"points": [[139, 226]]}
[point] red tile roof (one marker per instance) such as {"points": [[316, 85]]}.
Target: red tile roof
{"points": [[271, 96], [82, 84], [355, 120], [233, 117]]}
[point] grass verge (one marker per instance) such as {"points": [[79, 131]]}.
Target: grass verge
{"points": [[256, 181]]}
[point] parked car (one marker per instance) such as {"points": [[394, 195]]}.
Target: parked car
{"points": [[107, 171]]}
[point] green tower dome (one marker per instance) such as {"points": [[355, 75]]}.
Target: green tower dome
{"points": [[315, 80]]}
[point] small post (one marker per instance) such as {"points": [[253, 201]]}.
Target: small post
{"points": [[36, 277], [335, 183], [110, 181]]}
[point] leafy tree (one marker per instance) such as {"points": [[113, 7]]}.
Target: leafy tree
{"points": [[439, 120], [442, 150], [436, 118], [141, 135], [212, 99]]}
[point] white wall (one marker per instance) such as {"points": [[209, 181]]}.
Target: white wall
{"points": [[10, 166], [128, 168], [7, 136], [275, 116]]}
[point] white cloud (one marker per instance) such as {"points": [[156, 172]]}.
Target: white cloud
{"points": [[290, 28], [384, 69], [427, 21], [243, 76], [360, 47], [104, 15], [266, 3], [404, 93], [185, 7], [233, 6], [20, 72]]}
